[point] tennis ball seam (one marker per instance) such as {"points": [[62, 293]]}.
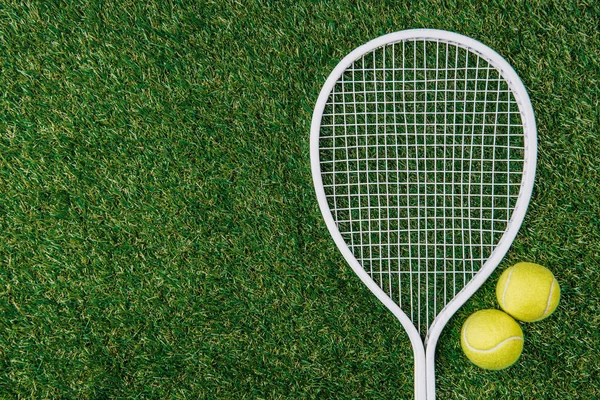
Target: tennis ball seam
{"points": [[506, 284], [474, 349], [490, 350], [549, 298]]}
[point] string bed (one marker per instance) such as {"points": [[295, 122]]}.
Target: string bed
{"points": [[422, 150]]}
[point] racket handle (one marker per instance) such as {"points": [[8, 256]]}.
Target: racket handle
{"points": [[420, 380], [430, 370], [420, 368]]}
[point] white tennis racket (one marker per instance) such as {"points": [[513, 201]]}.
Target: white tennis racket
{"points": [[423, 154]]}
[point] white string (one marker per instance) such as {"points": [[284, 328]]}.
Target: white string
{"points": [[362, 255], [425, 261], [387, 179], [398, 247], [418, 200], [445, 245], [408, 208], [345, 137], [377, 134], [471, 163]]}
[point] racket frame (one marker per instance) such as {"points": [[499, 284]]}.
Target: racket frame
{"points": [[424, 350]]}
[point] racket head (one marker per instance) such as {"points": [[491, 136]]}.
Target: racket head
{"points": [[418, 331]]}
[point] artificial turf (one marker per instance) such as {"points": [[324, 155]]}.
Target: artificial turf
{"points": [[159, 233]]}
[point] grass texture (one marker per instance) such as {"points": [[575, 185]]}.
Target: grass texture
{"points": [[159, 233]]}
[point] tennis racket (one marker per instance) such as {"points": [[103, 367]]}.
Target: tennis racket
{"points": [[423, 153]]}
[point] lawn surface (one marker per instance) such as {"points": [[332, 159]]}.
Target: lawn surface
{"points": [[159, 233]]}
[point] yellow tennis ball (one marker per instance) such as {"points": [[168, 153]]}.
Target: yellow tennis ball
{"points": [[528, 292], [491, 339]]}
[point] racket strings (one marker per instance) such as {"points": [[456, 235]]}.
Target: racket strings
{"points": [[423, 154]]}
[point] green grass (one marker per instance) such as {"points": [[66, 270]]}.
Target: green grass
{"points": [[159, 234]]}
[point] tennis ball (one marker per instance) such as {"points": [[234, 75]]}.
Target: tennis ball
{"points": [[528, 292], [491, 339]]}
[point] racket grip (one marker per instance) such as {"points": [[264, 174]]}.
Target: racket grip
{"points": [[420, 368], [420, 379]]}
